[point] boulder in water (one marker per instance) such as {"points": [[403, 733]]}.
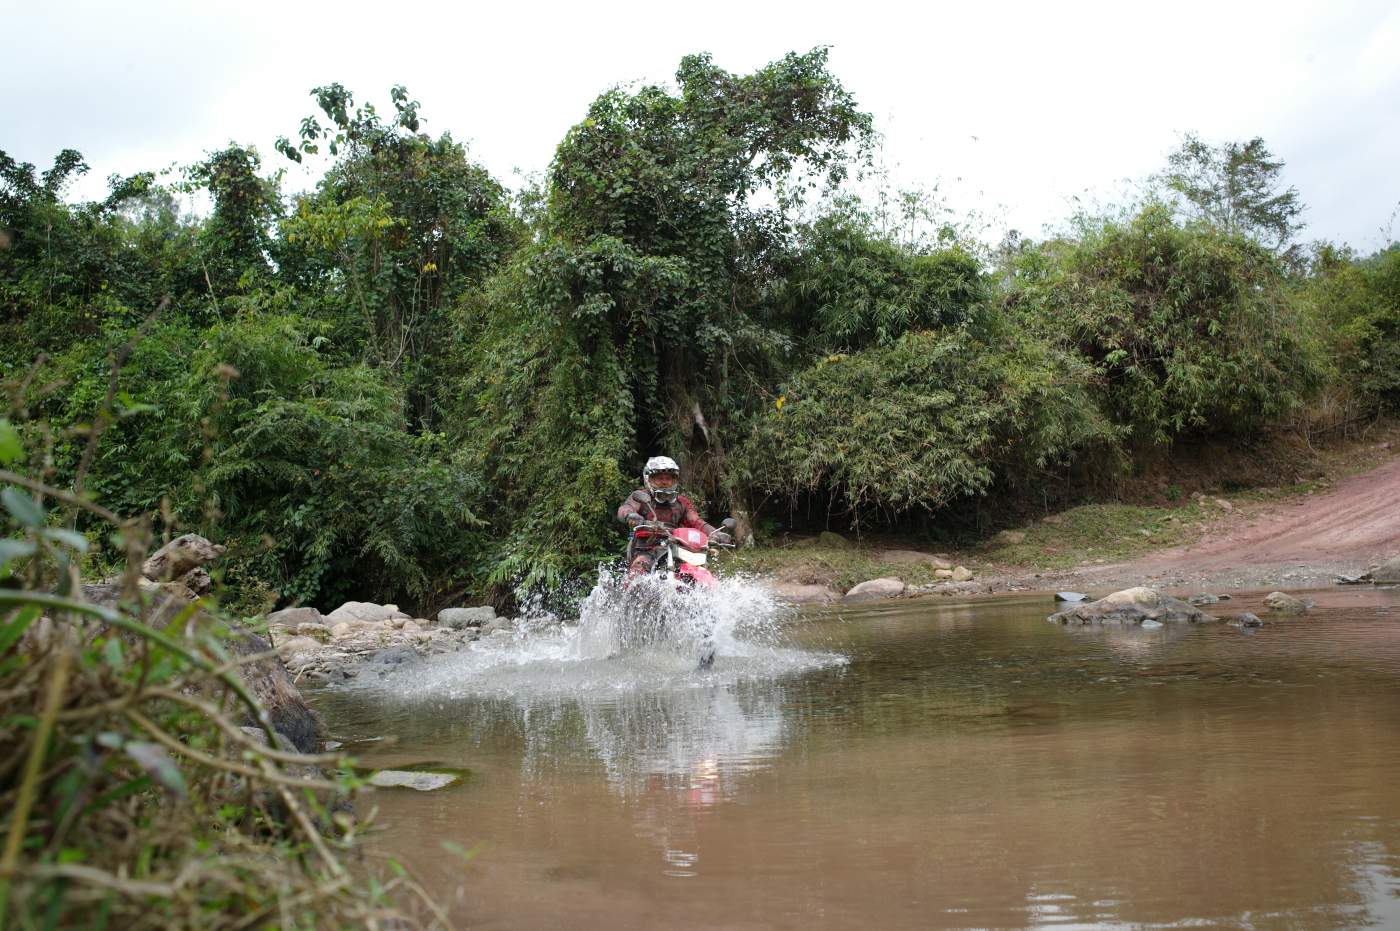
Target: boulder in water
{"points": [[875, 589], [799, 593], [458, 618], [1281, 603], [1071, 597], [405, 779], [1387, 573], [1133, 606]]}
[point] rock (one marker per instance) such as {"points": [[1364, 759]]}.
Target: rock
{"points": [[497, 625], [1224, 505], [1010, 537], [318, 632], [1150, 624], [943, 573], [340, 631], [798, 593], [364, 611], [1204, 598], [914, 558], [409, 628], [1249, 620], [296, 645], [1071, 597], [1387, 573], [1281, 603], [403, 779], [1133, 606], [267, 679], [395, 656], [875, 589], [180, 556], [833, 540], [291, 617], [197, 581], [458, 618], [962, 574]]}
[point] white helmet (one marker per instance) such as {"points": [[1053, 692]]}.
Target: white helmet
{"points": [[661, 464]]}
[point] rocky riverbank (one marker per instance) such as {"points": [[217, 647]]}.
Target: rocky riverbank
{"points": [[361, 637]]}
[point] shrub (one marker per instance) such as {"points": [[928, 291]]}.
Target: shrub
{"points": [[1359, 303], [1193, 329], [929, 419]]}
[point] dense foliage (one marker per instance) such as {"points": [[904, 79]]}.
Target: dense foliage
{"points": [[409, 383], [1193, 328]]}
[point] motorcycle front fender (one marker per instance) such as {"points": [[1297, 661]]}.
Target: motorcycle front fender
{"points": [[696, 575]]}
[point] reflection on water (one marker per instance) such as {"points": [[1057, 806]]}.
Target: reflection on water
{"points": [[914, 764]]}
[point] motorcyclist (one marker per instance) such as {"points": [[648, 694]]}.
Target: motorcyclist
{"points": [[660, 500]]}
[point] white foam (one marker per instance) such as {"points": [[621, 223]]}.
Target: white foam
{"points": [[543, 657]]}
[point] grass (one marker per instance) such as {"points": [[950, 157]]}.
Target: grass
{"points": [[841, 568], [1107, 532]]}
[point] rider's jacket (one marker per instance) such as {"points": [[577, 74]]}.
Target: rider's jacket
{"points": [[679, 513]]}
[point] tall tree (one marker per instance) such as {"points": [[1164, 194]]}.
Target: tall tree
{"points": [[1236, 187]]}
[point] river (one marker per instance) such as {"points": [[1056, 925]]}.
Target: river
{"points": [[913, 764]]}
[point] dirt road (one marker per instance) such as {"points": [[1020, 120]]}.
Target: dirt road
{"points": [[1296, 543]]}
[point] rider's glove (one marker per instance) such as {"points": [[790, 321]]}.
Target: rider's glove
{"points": [[633, 519], [719, 536]]}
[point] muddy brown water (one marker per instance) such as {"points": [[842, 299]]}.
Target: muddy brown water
{"points": [[916, 764]]}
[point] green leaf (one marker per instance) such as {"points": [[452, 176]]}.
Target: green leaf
{"points": [[157, 763], [22, 507], [15, 549], [11, 632], [112, 652], [68, 538], [10, 446], [116, 794]]}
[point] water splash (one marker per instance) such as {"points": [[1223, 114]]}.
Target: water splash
{"points": [[636, 639]]}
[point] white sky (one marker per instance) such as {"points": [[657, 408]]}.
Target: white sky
{"points": [[1013, 109]]}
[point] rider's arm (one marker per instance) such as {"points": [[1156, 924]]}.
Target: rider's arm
{"points": [[630, 512], [692, 519]]}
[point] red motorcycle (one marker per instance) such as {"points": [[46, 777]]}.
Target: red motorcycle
{"points": [[679, 565]]}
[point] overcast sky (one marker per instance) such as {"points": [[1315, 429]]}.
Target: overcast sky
{"points": [[1012, 109]]}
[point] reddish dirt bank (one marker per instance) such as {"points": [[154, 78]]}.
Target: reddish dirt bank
{"points": [[1306, 541]]}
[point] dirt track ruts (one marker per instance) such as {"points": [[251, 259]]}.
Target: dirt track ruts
{"points": [[1344, 530]]}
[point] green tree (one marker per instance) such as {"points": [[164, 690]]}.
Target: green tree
{"points": [[1236, 187], [618, 331], [399, 229]]}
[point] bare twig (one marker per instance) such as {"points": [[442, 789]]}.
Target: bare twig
{"points": [[213, 762]]}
